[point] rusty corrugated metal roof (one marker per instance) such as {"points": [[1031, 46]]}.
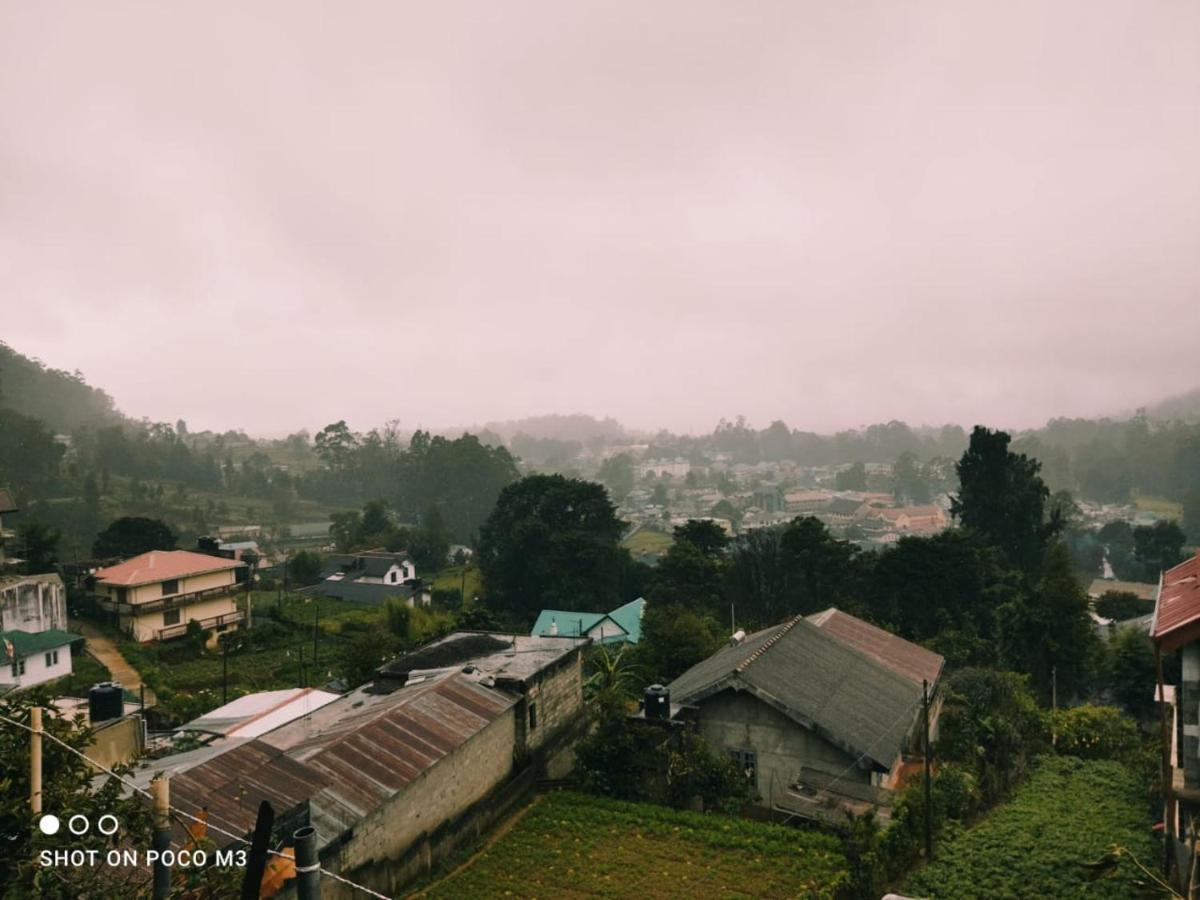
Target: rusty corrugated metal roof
{"points": [[1178, 604], [903, 657], [346, 758]]}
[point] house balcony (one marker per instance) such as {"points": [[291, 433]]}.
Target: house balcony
{"points": [[175, 601], [209, 624]]}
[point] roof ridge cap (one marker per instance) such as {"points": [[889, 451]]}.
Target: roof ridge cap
{"points": [[767, 645]]}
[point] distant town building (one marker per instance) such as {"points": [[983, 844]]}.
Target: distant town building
{"points": [[657, 468], [155, 595]]}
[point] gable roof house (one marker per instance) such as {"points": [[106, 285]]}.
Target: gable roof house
{"points": [[821, 712], [843, 511], [372, 576], [155, 595], [622, 625]]}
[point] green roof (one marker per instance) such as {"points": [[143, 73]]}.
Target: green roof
{"points": [[625, 622], [27, 643]]}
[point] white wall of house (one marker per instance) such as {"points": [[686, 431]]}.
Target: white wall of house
{"points": [[36, 603], [39, 667], [145, 627]]}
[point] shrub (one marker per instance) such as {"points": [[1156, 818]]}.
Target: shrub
{"points": [[1095, 732]]}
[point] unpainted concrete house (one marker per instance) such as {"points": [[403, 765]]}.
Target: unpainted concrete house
{"points": [[396, 775], [823, 713]]}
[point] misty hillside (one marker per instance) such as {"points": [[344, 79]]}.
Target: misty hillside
{"points": [[576, 427], [1183, 407], [63, 400]]}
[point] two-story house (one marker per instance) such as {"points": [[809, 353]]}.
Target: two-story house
{"points": [[154, 596], [35, 646]]}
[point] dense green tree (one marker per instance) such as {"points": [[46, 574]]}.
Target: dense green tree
{"points": [[675, 638], [39, 547], [944, 588], [552, 542], [429, 544], [853, 478], [1121, 605], [1001, 497], [991, 724], [821, 567], [1130, 671], [132, 535], [1158, 547], [686, 577], [659, 496], [304, 568], [776, 441], [1049, 629], [29, 455], [707, 537]]}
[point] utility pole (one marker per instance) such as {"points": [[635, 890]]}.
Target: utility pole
{"points": [[928, 777], [249, 599], [308, 865], [224, 671], [160, 790], [301, 665], [35, 760], [316, 628]]}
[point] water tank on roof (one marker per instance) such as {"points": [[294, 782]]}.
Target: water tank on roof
{"points": [[658, 702], [106, 701]]}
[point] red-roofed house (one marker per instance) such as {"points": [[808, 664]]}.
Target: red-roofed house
{"points": [[918, 519], [1176, 627], [157, 594]]}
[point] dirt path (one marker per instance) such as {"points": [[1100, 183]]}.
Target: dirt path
{"points": [[103, 648], [496, 835]]}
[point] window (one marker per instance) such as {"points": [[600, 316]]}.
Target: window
{"points": [[171, 617], [532, 716], [122, 593], [170, 587], [51, 658], [18, 668], [747, 761]]}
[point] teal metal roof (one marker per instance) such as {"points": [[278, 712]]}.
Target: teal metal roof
{"points": [[629, 617], [27, 643], [625, 623]]}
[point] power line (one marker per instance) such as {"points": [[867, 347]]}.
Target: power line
{"points": [[180, 812]]}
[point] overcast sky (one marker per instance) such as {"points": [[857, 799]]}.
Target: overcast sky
{"points": [[274, 215]]}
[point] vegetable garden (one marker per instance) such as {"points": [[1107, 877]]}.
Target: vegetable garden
{"points": [[1064, 817], [573, 845]]}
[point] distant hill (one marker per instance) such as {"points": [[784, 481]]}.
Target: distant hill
{"points": [[63, 400], [1183, 407], [575, 427]]}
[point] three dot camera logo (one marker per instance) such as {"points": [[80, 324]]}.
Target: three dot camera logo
{"points": [[79, 825]]}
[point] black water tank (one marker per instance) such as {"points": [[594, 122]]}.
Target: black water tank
{"points": [[658, 702], [106, 701]]}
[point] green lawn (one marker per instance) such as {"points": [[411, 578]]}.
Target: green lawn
{"points": [[451, 579], [645, 541], [1038, 845], [573, 845]]}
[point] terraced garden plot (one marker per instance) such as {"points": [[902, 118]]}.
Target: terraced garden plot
{"points": [[573, 845]]}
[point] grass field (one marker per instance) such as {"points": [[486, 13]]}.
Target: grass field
{"points": [[1038, 845], [451, 579], [1167, 509], [645, 541], [572, 845]]}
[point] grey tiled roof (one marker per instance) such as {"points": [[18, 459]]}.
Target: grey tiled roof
{"points": [[819, 682]]}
